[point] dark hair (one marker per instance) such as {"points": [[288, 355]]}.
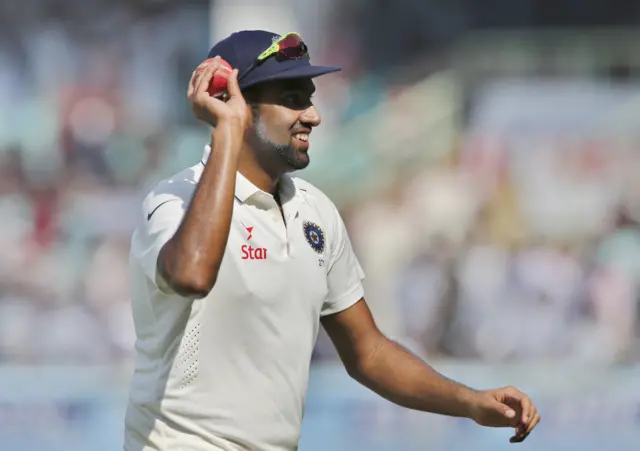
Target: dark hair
{"points": [[252, 96], [252, 93]]}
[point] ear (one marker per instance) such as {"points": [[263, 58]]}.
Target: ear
{"points": [[254, 111], [252, 94]]}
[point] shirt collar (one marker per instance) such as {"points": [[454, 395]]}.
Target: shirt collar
{"points": [[245, 189]]}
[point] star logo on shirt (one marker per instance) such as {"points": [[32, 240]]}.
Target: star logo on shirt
{"points": [[248, 229]]}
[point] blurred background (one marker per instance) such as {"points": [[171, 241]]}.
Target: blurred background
{"points": [[484, 155]]}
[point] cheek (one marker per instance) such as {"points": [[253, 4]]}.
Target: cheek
{"points": [[267, 132], [276, 124]]}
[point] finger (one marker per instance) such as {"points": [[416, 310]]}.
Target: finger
{"points": [[523, 432], [520, 401], [211, 63], [233, 86], [526, 407], [513, 393], [530, 414], [205, 77], [507, 412], [203, 65], [516, 398], [195, 78], [534, 422], [195, 81], [192, 83], [197, 73]]}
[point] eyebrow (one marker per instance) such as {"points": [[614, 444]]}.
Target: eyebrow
{"points": [[299, 89]]}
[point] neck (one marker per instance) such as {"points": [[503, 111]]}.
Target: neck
{"points": [[261, 176]]}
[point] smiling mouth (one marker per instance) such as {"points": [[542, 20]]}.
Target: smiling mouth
{"points": [[304, 137]]}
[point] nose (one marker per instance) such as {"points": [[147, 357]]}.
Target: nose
{"points": [[311, 116]]}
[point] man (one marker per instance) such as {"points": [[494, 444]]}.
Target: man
{"points": [[234, 266]]}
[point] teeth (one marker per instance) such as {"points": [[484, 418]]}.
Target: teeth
{"points": [[302, 137]]}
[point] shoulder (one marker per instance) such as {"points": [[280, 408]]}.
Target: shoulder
{"points": [[328, 214], [179, 186], [315, 196]]}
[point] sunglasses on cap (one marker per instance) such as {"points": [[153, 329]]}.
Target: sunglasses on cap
{"points": [[289, 47]]}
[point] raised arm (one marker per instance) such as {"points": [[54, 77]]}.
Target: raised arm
{"points": [[189, 261]]}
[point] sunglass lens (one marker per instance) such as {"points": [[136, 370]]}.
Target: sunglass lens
{"points": [[292, 47]]}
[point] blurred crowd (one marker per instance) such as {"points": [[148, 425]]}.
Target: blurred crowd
{"points": [[92, 113], [512, 269], [523, 243], [488, 253]]}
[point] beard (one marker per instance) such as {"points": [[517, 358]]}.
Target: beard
{"points": [[293, 158]]}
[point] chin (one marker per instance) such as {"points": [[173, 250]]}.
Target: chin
{"points": [[298, 161]]}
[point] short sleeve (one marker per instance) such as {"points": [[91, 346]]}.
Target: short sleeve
{"points": [[345, 274], [161, 217]]}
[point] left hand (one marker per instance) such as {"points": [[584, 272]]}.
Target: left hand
{"points": [[505, 407]]}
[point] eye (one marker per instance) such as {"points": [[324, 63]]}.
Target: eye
{"points": [[293, 97], [298, 99]]}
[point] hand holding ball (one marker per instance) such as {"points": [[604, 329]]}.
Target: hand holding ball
{"points": [[215, 95], [218, 83]]}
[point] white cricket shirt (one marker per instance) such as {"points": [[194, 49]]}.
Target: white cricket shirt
{"points": [[230, 371]]}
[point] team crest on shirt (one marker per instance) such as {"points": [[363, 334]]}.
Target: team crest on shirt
{"points": [[314, 236]]}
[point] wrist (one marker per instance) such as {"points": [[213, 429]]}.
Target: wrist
{"points": [[227, 132], [231, 125], [469, 401]]}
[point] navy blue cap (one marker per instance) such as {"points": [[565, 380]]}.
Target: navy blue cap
{"points": [[241, 49]]}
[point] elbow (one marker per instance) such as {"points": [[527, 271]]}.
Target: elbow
{"points": [[357, 372], [357, 368], [364, 365], [354, 373], [191, 286], [185, 280]]}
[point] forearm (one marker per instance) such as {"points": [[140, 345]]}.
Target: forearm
{"points": [[402, 378], [191, 258]]}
